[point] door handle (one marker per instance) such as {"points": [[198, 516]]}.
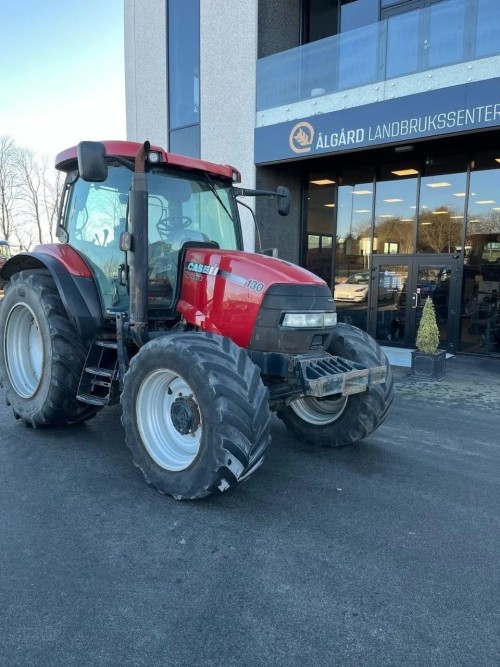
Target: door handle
{"points": [[414, 300]]}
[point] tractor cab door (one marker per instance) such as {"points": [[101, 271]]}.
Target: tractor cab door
{"points": [[94, 219], [184, 206]]}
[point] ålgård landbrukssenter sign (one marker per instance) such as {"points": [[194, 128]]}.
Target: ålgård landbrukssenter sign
{"points": [[461, 108]]}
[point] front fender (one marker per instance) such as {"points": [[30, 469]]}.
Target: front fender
{"points": [[78, 293]]}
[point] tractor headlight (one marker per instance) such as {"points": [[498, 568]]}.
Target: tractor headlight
{"points": [[309, 320], [153, 157]]}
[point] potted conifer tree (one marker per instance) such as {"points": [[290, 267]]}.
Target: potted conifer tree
{"points": [[427, 361]]}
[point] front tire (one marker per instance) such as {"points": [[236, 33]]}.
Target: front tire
{"points": [[41, 354], [338, 421], [195, 413]]}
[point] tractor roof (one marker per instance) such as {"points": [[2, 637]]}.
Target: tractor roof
{"points": [[66, 161]]}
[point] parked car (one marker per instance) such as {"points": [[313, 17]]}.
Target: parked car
{"points": [[355, 288]]}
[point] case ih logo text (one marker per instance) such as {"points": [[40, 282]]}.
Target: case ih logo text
{"points": [[301, 137], [202, 268]]}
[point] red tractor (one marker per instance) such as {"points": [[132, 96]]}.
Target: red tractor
{"points": [[148, 299]]}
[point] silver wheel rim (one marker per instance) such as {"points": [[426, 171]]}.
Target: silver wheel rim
{"points": [[167, 446], [23, 350], [318, 412]]}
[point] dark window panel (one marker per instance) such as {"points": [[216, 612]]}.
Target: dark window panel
{"points": [[186, 141], [183, 62]]}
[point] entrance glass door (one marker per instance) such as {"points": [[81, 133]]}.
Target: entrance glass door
{"points": [[400, 286]]}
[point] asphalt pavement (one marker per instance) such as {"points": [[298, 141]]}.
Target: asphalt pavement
{"points": [[383, 554]]}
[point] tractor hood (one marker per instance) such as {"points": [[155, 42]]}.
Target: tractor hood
{"points": [[223, 290]]}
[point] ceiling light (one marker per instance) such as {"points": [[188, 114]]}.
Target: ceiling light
{"points": [[475, 220], [440, 212], [389, 215], [392, 201], [329, 205], [404, 172], [362, 192], [323, 181], [496, 208], [438, 184], [456, 217], [497, 159], [406, 219], [459, 194], [403, 149], [362, 210], [485, 201], [426, 223]]}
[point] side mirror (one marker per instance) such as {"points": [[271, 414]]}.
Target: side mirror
{"points": [[283, 200], [92, 164]]}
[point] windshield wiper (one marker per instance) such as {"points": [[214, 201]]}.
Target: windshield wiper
{"points": [[212, 188]]}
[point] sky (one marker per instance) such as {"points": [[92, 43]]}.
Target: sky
{"points": [[61, 72]]}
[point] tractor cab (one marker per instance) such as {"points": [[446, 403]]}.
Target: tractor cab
{"points": [[183, 204]]}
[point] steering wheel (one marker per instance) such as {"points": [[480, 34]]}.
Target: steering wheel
{"points": [[167, 225]]}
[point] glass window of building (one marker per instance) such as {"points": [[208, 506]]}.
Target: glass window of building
{"points": [[395, 209], [480, 321], [184, 76], [324, 18], [320, 211], [354, 243], [442, 205], [321, 19], [357, 13]]}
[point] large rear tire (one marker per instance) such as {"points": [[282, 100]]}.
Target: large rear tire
{"points": [[195, 413], [41, 354], [337, 421]]}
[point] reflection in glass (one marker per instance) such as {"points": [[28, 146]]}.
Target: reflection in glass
{"points": [[483, 225], [395, 208], [358, 56], [392, 303], [480, 330], [402, 44], [354, 247], [445, 46], [320, 224], [441, 212], [434, 282], [183, 62]]}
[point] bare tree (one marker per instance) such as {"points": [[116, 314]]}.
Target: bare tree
{"points": [[30, 190], [30, 193], [52, 192], [8, 186], [25, 237]]}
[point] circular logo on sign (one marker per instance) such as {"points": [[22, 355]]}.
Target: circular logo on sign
{"points": [[301, 137]]}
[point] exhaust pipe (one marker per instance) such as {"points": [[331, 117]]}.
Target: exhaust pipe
{"points": [[138, 262]]}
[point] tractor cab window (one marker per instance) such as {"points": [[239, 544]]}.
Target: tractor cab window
{"points": [[95, 218], [189, 207], [184, 207]]}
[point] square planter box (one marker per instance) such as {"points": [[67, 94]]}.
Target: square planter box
{"points": [[428, 365]]}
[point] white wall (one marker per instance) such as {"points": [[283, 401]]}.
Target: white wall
{"points": [[146, 71], [228, 36]]}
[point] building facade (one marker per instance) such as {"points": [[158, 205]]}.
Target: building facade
{"points": [[381, 116]]}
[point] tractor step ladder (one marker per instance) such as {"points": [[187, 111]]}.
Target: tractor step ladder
{"points": [[99, 384]]}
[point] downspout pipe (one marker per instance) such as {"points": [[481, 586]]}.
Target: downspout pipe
{"points": [[138, 255]]}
